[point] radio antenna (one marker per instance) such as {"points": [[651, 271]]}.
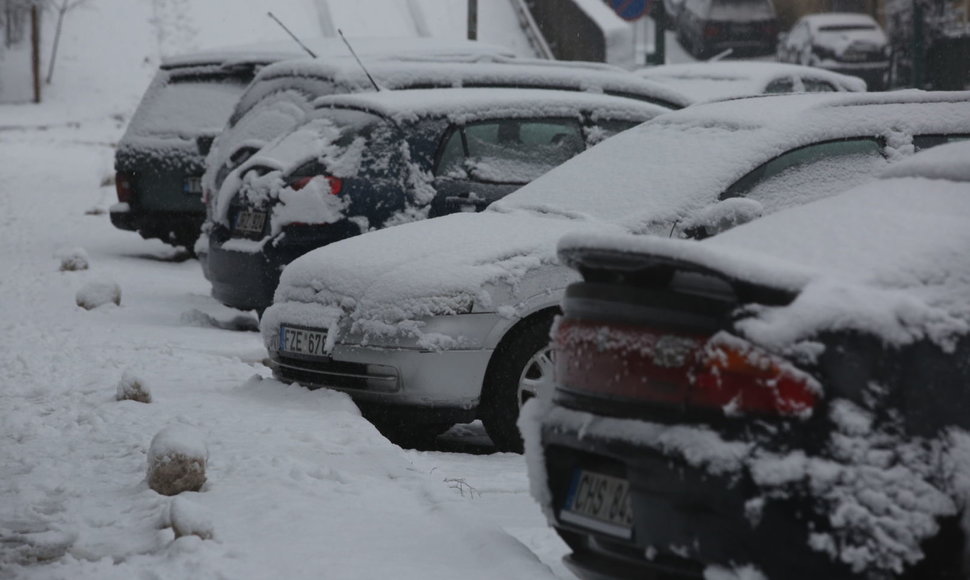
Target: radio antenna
{"points": [[293, 36], [351, 49]]}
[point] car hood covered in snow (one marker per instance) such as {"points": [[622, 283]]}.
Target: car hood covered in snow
{"points": [[446, 265], [888, 258]]}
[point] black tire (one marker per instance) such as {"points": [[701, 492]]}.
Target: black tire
{"points": [[398, 429], [501, 400]]}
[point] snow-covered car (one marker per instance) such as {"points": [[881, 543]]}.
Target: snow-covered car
{"points": [[366, 161], [787, 400], [159, 160], [282, 95], [848, 43], [447, 320], [726, 79], [745, 27]]}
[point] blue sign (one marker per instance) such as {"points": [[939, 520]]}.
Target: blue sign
{"points": [[630, 9]]}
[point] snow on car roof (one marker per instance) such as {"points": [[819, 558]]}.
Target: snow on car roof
{"points": [[666, 169], [391, 73], [888, 257], [334, 47], [725, 79], [456, 103]]}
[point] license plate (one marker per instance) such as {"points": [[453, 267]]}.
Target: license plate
{"points": [[250, 222], [600, 503], [192, 186], [742, 29], [303, 342]]}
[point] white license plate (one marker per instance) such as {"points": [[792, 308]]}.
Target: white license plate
{"points": [[193, 186], [600, 503], [302, 341], [250, 222]]}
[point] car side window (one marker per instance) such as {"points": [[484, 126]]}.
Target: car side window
{"points": [[782, 85], [812, 172], [509, 150], [921, 142], [604, 129]]}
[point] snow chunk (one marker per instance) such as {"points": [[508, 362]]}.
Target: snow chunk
{"points": [[98, 293], [133, 388], [73, 259], [177, 460], [189, 518]]}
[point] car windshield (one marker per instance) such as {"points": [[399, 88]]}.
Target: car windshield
{"points": [[213, 97]]}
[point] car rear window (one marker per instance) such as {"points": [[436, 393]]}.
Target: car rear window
{"points": [[741, 10], [510, 150], [189, 105]]}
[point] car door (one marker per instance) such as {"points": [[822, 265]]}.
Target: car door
{"points": [[483, 161]]}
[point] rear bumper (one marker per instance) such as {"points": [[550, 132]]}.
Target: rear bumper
{"points": [[173, 227], [686, 518]]}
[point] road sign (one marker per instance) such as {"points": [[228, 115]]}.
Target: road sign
{"points": [[630, 9]]}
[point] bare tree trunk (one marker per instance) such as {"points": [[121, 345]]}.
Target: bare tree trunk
{"points": [[35, 49], [61, 10]]}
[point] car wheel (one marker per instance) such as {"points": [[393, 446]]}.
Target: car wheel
{"points": [[520, 368]]}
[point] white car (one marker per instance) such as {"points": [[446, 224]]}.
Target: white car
{"points": [[852, 44], [447, 320], [726, 79]]}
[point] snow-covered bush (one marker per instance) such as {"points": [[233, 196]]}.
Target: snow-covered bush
{"points": [[73, 260], [133, 388], [177, 460], [98, 293]]}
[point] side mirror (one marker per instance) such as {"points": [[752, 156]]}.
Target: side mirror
{"points": [[722, 216]]}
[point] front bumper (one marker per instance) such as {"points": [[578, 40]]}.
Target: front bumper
{"points": [[406, 376], [686, 518]]}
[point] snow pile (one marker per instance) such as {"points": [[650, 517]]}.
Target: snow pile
{"points": [[189, 518], [133, 388], [73, 259], [98, 293], [177, 460]]}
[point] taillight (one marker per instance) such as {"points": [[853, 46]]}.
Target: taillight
{"points": [[678, 370], [336, 184], [123, 187], [712, 31], [738, 377]]}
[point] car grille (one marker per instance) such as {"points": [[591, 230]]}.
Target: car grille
{"points": [[336, 374]]}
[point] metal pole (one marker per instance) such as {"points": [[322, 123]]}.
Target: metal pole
{"points": [[659, 54], [472, 19], [918, 44], [35, 49]]}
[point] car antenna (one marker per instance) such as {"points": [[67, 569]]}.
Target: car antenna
{"points": [[351, 49], [293, 36]]}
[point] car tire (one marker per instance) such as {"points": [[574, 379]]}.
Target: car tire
{"points": [[521, 364], [408, 434]]}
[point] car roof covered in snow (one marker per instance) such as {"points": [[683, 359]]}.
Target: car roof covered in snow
{"points": [[269, 52], [888, 257], [670, 167], [816, 21], [457, 104], [524, 73], [725, 79]]}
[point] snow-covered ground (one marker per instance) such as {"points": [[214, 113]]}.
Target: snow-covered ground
{"points": [[299, 485]]}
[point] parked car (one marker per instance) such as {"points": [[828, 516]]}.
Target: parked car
{"points": [[706, 81], [847, 43], [447, 320], [709, 27], [371, 160], [787, 399], [282, 95], [159, 161]]}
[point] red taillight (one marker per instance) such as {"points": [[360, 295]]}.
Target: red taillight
{"points": [[732, 374], [123, 187], [678, 370], [336, 184], [712, 31]]}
